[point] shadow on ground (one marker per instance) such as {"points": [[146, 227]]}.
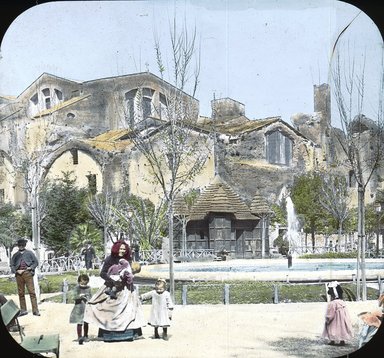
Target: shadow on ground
{"points": [[309, 348]]}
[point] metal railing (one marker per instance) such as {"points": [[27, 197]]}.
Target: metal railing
{"points": [[156, 256], [76, 262], [62, 264]]}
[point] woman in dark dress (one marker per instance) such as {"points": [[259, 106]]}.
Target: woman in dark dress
{"points": [[120, 318]]}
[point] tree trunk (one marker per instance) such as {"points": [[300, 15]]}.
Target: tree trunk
{"points": [[184, 238], [313, 239], [105, 239], [35, 222], [339, 234], [264, 220], [361, 235], [170, 234]]}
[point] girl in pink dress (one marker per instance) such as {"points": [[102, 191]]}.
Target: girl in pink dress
{"points": [[338, 325]]}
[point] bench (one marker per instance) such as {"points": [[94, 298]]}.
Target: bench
{"points": [[9, 314], [43, 343]]}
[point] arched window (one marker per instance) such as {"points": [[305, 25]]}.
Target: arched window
{"points": [[47, 98], [44, 99], [139, 103], [130, 104], [279, 148], [147, 102], [163, 105]]}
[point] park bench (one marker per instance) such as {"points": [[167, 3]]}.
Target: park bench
{"points": [[43, 343]]}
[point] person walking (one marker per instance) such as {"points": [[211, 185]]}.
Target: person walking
{"points": [[23, 265], [81, 294], [162, 307], [338, 325], [89, 255]]}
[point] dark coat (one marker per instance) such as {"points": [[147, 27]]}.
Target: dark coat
{"points": [[29, 258]]}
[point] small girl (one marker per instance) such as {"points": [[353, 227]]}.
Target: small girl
{"points": [[119, 272], [81, 294], [338, 325], [162, 306]]}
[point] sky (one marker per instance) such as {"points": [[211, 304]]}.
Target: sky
{"points": [[265, 54]]}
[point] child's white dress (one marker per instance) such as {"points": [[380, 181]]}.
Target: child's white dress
{"points": [[161, 309]]}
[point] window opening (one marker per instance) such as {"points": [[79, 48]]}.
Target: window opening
{"points": [[59, 95], [279, 148], [35, 99], [130, 104], [75, 156], [163, 105], [47, 99]]}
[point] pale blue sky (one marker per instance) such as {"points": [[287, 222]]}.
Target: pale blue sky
{"points": [[264, 54]]}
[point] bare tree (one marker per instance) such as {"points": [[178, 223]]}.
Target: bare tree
{"points": [[144, 223], [361, 140], [175, 149], [335, 199], [183, 205], [102, 209], [31, 147]]}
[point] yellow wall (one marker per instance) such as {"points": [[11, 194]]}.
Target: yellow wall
{"points": [[86, 165], [143, 183], [7, 181]]}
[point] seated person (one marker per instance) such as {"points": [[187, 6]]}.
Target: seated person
{"points": [[119, 318]]}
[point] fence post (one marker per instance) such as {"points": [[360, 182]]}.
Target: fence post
{"points": [[65, 290], [275, 294], [184, 295], [226, 294], [379, 283]]}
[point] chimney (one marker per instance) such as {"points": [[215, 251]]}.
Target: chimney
{"points": [[226, 108], [322, 102]]}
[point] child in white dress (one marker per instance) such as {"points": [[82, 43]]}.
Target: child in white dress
{"points": [[162, 307]]}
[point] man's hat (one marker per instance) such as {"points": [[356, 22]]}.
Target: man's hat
{"points": [[21, 242]]}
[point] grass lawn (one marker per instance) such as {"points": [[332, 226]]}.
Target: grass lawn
{"points": [[208, 292]]}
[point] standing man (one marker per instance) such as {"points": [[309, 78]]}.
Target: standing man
{"points": [[89, 254], [23, 265]]}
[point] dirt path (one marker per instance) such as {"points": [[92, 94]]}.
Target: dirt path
{"points": [[199, 331]]}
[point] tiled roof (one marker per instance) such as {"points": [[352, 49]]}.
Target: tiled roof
{"points": [[218, 197], [237, 125], [115, 140], [180, 207], [260, 206]]}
